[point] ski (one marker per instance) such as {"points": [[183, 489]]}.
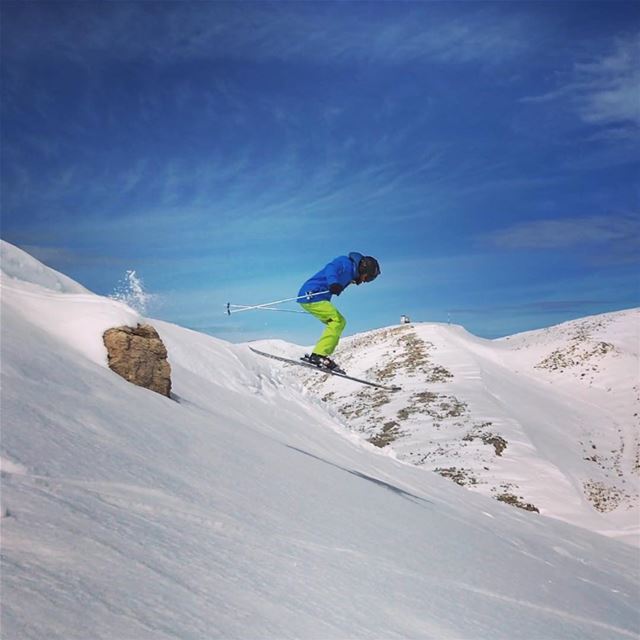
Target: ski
{"points": [[313, 367]]}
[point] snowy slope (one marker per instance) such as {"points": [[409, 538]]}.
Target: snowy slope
{"points": [[240, 509], [546, 420]]}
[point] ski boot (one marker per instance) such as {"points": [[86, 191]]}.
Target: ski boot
{"points": [[323, 362]]}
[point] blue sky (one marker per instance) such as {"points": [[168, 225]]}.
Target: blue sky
{"points": [[486, 154]]}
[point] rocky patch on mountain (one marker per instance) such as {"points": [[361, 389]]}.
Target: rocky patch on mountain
{"points": [[605, 497], [517, 501], [478, 432], [438, 406], [576, 353], [411, 357], [581, 353], [389, 432], [463, 477]]}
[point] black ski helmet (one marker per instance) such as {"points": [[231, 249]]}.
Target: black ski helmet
{"points": [[369, 267]]}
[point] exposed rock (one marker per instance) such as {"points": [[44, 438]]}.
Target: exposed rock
{"points": [[510, 498], [462, 477], [390, 431], [139, 356], [605, 497], [497, 442]]}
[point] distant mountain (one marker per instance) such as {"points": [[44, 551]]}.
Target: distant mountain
{"points": [[546, 420]]}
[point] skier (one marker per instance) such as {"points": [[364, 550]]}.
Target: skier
{"points": [[332, 280]]}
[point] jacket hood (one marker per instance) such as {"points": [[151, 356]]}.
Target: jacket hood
{"points": [[356, 257]]}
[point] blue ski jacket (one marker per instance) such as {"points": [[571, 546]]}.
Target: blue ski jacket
{"points": [[341, 270]]}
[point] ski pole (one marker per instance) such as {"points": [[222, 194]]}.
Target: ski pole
{"points": [[241, 307]]}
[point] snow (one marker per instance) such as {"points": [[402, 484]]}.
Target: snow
{"points": [[243, 508], [19, 265]]}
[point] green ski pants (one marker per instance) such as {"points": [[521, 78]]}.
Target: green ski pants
{"points": [[329, 315]]}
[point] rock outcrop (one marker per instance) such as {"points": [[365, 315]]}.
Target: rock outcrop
{"points": [[139, 356]]}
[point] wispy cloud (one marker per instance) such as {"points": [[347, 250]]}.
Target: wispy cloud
{"points": [[322, 32], [605, 89], [569, 232], [609, 87]]}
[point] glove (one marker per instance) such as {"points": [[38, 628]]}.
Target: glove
{"points": [[336, 289]]}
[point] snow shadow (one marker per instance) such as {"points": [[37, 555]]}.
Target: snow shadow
{"points": [[381, 483]]}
